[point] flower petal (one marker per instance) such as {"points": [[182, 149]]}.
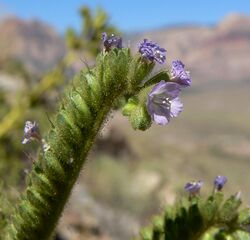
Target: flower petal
{"points": [[158, 88], [161, 120], [176, 107], [170, 89]]}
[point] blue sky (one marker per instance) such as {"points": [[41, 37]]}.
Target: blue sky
{"points": [[130, 15]]}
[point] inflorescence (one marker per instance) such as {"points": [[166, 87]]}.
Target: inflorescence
{"points": [[31, 132], [179, 75], [111, 41], [194, 187], [219, 182], [163, 101], [152, 51]]}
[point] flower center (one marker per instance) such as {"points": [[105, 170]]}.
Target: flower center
{"points": [[162, 100], [158, 54]]}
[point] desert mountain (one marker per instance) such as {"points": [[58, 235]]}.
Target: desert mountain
{"points": [[32, 42], [220, 52]]}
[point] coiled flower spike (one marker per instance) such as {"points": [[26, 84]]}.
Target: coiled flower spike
{"points": [[152, 51], [179, 75], [116, 75], [112, 41]]}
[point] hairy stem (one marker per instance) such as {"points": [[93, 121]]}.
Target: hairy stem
{"points": [[81, 115]]}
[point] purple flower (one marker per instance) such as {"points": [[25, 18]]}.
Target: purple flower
{"points": [[152, 51], [31, 132], [179, 75], [219, 182], [163, 102], [193, 187], [112, 41]]}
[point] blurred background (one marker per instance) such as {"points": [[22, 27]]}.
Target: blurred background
{"points": [[129, 176]]}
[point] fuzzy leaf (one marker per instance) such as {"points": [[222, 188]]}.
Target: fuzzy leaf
{"points": [[130, 106], [228, 211], [140, 119], [210, 207], [244, 217], [157, 228], [146, 234], [139, 70], [163, 75]]}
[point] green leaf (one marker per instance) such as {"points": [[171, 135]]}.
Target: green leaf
{"points": [[244, 217], [138, 71], [163, 75], [157, 228], [146, 234], [130, 106], [241, 235], [210, 207], [140, 118], [169, 224], [195, 219], [182, 228], [229, 212]]}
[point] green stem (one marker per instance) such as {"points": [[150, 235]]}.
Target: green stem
{"points": [[73, 133], [61, 191]]}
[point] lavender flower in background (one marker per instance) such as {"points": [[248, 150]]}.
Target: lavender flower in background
{"points": [[219, 182], [179, 75], [193, 187], [31, 132], [112, 41], [163, 102], [152, 51]]}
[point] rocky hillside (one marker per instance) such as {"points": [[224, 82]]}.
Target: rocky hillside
{"points": [[34, 43], [218, 52]]}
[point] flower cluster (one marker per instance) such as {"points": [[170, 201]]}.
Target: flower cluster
{"points": [[163, 101], [179, 75], [193, 187], [112, 41], [219, 182], [152, 51], [31, 132]]}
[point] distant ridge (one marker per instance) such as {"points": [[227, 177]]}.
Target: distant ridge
{"points": [[213, 53], [219, 52], [33, 42]]}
